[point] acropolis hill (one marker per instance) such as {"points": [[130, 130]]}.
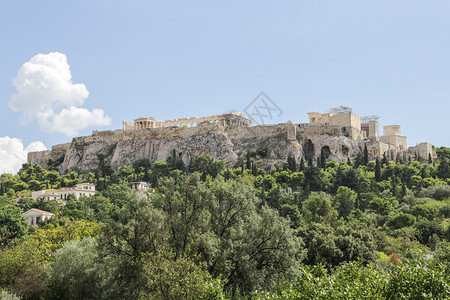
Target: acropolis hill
{"points": [[340, 133]]}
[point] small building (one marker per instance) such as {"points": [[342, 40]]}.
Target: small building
{"points": [[140, 186], [35, 215]]}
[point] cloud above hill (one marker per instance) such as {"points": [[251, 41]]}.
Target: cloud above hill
{"points": [[45, 93], [13, 154]]}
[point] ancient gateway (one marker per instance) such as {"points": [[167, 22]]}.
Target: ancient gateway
{"points": [[339, 133]]}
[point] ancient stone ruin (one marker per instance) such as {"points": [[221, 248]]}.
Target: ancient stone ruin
{"points": [[233, 118], [339, 133]]}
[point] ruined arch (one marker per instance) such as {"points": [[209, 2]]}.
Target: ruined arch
{"points": [[308, 148], [326, 151]]}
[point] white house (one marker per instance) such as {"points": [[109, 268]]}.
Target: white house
{"points": [[81, 189], [35, 215], [140, 186]]}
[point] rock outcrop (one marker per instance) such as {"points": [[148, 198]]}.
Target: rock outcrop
{"points": [[120, 148]]}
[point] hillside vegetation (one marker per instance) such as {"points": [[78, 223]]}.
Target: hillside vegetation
{"points": [[307, 230]]}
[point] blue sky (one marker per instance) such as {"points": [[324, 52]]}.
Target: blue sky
{"points": [[171, 59]]}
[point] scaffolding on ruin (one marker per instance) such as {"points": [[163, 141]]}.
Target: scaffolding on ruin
{"points": [[340, 110], [367, 119]]}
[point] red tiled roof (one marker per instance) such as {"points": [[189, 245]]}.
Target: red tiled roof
{"points": [[40, 210]]}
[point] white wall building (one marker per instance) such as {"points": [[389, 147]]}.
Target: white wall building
{"points": [[140, 186], [35, 215], [80, 190]]}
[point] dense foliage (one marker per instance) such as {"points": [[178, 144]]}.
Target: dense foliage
{"points": [[322, 230]]}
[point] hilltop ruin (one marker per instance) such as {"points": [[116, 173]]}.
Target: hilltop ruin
{"points": [[339, 133]]}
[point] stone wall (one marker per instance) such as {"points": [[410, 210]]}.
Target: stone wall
{"points": [[38, 157], [398, 141]]}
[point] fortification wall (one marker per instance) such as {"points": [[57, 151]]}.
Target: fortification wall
{"points": [[61, 147], [395, 140], [40, 156], [345, 119], [308, 130]]}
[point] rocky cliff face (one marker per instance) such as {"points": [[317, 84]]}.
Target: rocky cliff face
{"points": [[224, 143], [230, 143]]}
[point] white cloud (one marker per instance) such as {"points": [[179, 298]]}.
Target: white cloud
{"points": [[71, 120], [13, 154], [45, 93]]}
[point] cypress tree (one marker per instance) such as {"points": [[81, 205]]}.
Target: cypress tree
{"points": [[291, 162], [349, 161], [307, 189], [358, 161], [254, 170], [403, 189], [377, 170], [323, 159], [248, 162], [430, 160], [394, 186], [302, 164], [384, 160], [443, 167], [174, 159], [366, 155]]}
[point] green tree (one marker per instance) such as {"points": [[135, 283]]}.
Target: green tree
{"points": [[317, 208], [331, 247], [400, 220], [25, 203], [77, 272], [302, 164], [182, 278], [345, 201], [291, 162], [23, 267], [426, 229], [323, 159], [424, 211], [13, 225], [134, 231], [366, 155], [52, 177], [248, 161], [377, 170], [262, 151], [358, 160], [214, 220], [443, 167]]}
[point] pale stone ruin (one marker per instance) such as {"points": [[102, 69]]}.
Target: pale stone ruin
{"points": [[232, 118], [339, 133], [392, 142]]}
